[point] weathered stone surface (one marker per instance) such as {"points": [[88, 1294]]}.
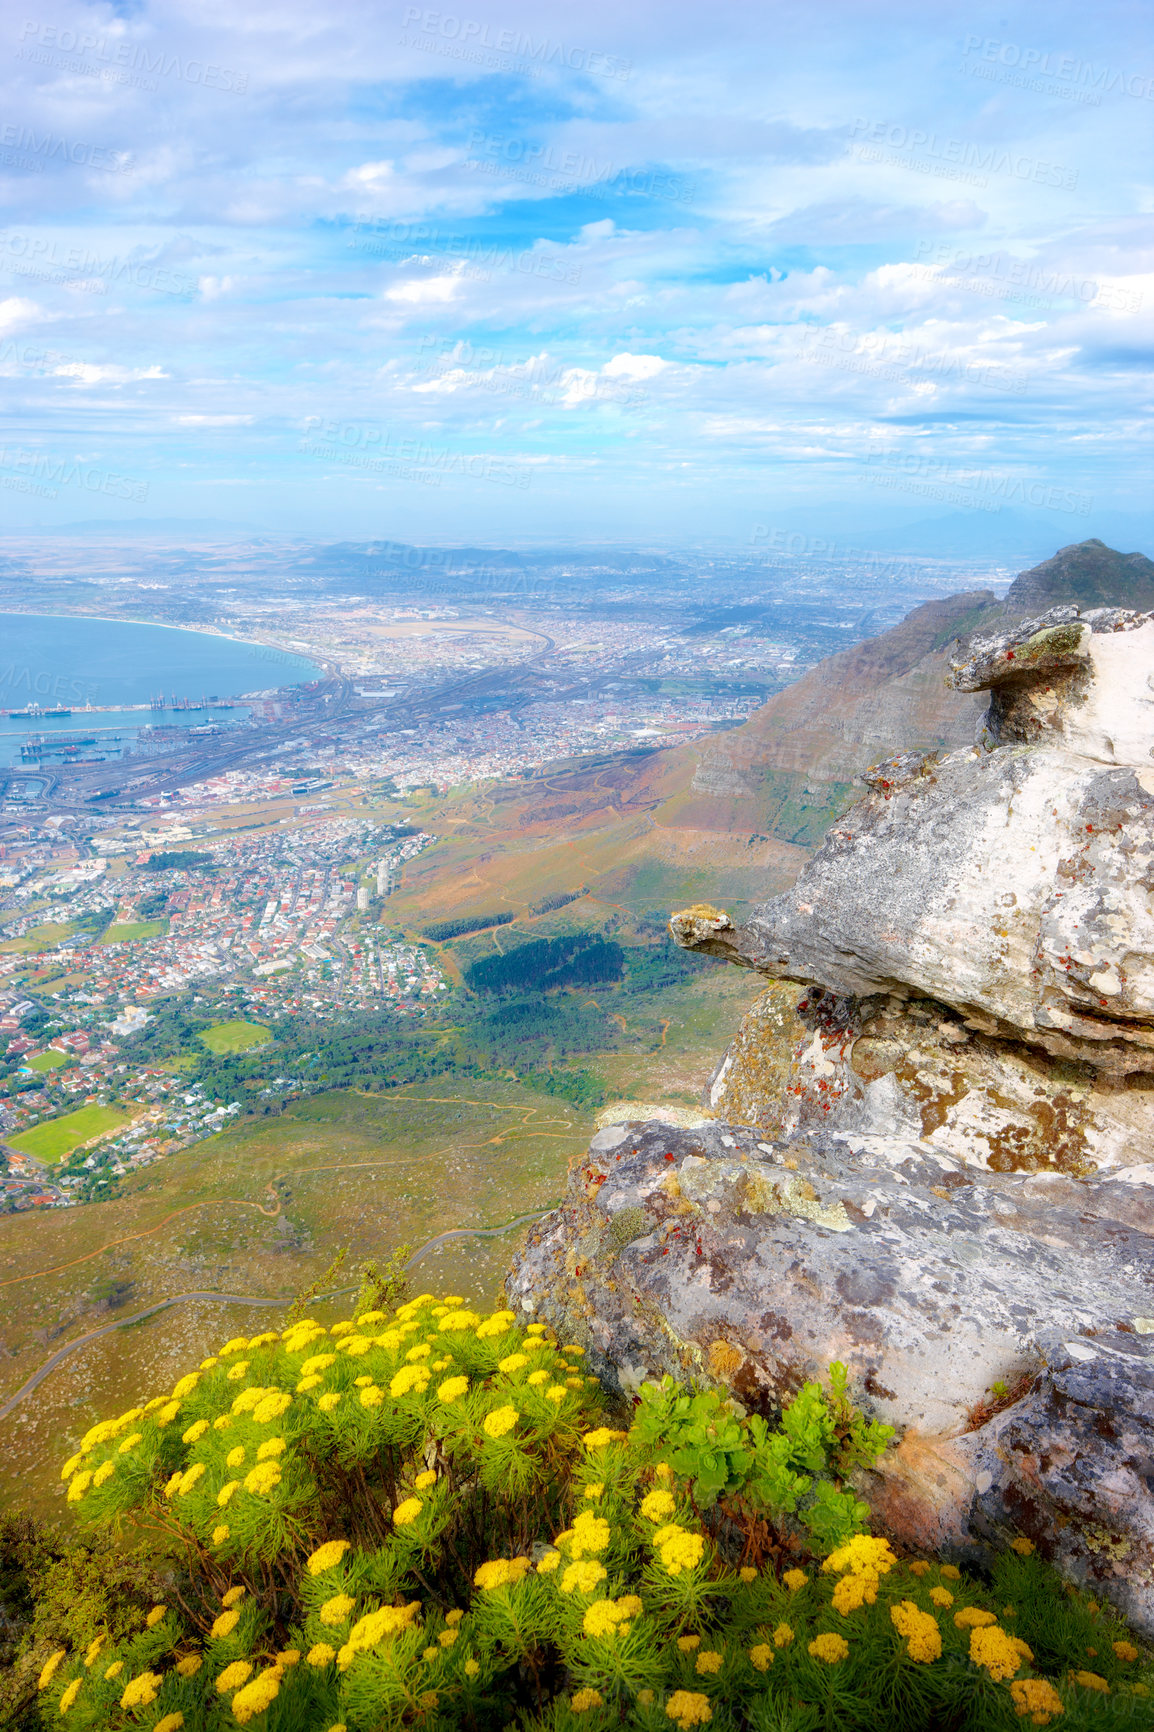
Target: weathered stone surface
{"points": [[1013, 884], [712, 1253]]}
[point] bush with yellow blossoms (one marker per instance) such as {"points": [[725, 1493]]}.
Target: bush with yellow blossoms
{"points": [[434, 1518]]}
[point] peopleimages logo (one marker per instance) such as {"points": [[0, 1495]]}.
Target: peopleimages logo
{"points": [[1030, 68], [473, 40], [959, 153], [36, 472], [359, 445], [118, 60], [23, 147], [977, 489]]}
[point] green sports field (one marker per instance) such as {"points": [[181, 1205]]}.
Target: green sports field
{"points": [[49, 1060], [51, 1142], [235, 1036], [135, 929]]}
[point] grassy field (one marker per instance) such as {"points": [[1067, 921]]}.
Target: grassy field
{"points": [[133, 929], [49, 1060], [51, 1142], [235, 1036], [36, 940]]}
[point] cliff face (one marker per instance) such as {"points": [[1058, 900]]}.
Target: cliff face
{"points": [[937, 1162]]}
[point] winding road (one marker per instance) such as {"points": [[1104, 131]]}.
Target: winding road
{"points": [[63, 1353]]}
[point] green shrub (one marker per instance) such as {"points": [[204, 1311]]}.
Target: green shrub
{"points": [[428, 1518]]}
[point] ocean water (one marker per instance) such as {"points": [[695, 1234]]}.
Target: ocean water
{"points": [[98, 667]]}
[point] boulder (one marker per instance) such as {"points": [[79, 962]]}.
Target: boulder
{"points": [[1000, 1321]]}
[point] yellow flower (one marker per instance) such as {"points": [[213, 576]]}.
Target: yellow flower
{"points": [[555, 1392], [587, 1698], [167, 1414], [326, 1556], [573, 1348], [458, 1320], [155, 1616], [449, 1636], [106, 1470], [114, 1670], [747, 1574], [829, 1647], [594, 1491], [226, 1492], [193, 1435], [658, 1505], [236, 1345], [424, 1480], [548, 1563], [502, 1572], [70, 1466], [336, 1611], [271, 1448], [852, 1592], [500, 1421], [220, 1532], [512, 1362], [917, 1567], [795, 1580], [951, 1573], [761, 1657], [536, 1377], [190, 1665], [225, 1623], [602, 1436], [589, 1534], [371, 1317], [782, 1636], [372, 1396], [973, 1618], [1025, 1548], [498, 1324], [94, 1647], [326, 1403], [1125, 1650], [141, 1692], [688, 1708], [186, 1386], [233, 1597], [709, 1661], [307, 1383], [606, 1617], [78, 1487], [263, 1478], [248, 1399], [224, 1423], [170, 1723], [278, 1401], [1091, 1681], [863, 1555], [452, 1389], [406, 1513], [941, 1597], [320, 1654], [288, 1656], [318, 1362], [688, 1643], [471, 1668], [254, 1698], [1037, 1698], [48, 1671], [409, 1378], [920, 1629], [583, 1577], [992, 1648], [233, 1676], [678, 1549], [237, 1371]]}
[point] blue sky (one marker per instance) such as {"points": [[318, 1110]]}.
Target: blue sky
{"points": [[651, 273]]}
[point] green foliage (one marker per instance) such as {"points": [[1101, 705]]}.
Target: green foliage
{"points": [[383, 1285], [545, 964], [423, 1519], [179, 859], [440, 930]]}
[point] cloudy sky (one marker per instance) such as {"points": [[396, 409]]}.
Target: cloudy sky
{"points": [[644, 270]]}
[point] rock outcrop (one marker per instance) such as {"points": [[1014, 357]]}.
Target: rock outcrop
{"points": [[934, 1155]]}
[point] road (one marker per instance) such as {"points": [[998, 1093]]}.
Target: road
{"points": [[71, 1347]]}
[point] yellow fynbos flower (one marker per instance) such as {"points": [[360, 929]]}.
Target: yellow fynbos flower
{"points": [[186, 1386], [134, 1437], [689, 1708], [170, 1723], [761, 1657], [141, 1692], [502, 1572], [920, 1629], [602, 1436], [582, 1700], [254, 1698], [452, 1389], [795, 1580], [423, 1481], [512, 1362], [155, 1616], [678, 1549], [79, 1486], [500, 1421], [658, 1505], [237, 1371], [48, 1671], [687, 1644], [94, 1647], [225, 1623], [408, 1379], [233, 1676], [973, 1618], [190, 1665], [326, 1556], [1125, 1650], [536, 1377], [265, 1476], [193, 1435], [449, 1636], [1024, 1547], [1090, 1681], [320, 1654], [326, 1403], [998, 1653], [336, 1611], [582, 1577], [852, 1592], [708, 1661], [589, 1534], [747, 1574], [233, 1597], [225, 1492], [782, 1636], [270, 1449], [106, 1470], [406, 1513], [220, 1532], [278, 1401], [114, 1670], [829, 1647], [1037, 1698]]}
